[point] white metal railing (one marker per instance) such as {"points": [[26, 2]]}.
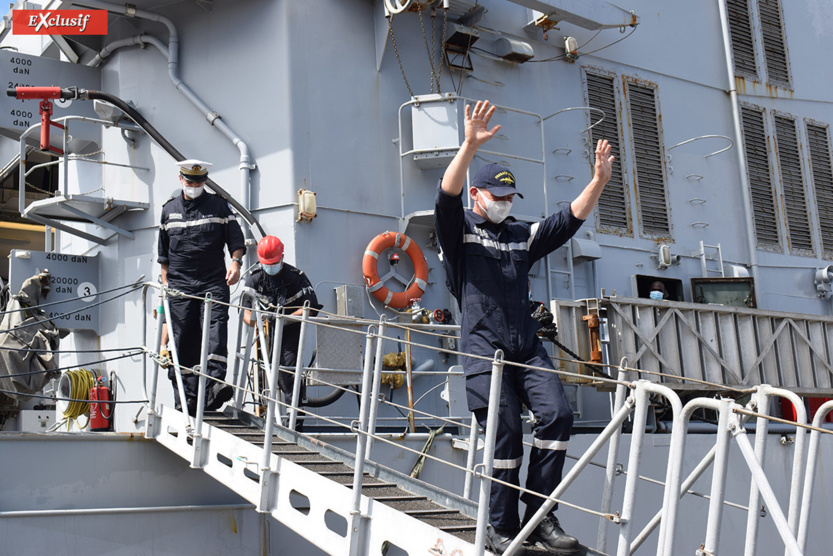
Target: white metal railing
{"points": [[632, 401]]}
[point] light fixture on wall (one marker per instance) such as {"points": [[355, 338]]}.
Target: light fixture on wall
{"points": [[824, 281], [665, 258], [306, 205]]}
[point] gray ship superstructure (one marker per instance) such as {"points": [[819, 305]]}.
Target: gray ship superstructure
{"points": [[329, 124]]}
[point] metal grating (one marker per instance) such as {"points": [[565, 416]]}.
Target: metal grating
{"points": [[822, 172], [722, 345], [775, 48], [740, 29], [760, 183], [612, 208], [647, 154], [792, 182]]}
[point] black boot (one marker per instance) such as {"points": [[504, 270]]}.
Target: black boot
{"points": [[551, 536], [498, 540], [216, 395]]}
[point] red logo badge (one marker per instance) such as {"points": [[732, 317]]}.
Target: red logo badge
{"points": [[59, 22]]}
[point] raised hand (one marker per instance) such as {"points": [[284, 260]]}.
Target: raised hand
{"points": [[477, 123], [604, 161]]}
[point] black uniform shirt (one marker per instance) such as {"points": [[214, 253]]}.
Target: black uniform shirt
{"points": [[192, 236], [289, 288], [487, 267]]}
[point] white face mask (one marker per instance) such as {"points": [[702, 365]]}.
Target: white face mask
{"points": [[271, 269], [192, 192], [496, 211]]}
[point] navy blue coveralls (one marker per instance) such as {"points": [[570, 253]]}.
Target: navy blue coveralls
{"points": [[191, 240], [289, 289], [487, 267]]}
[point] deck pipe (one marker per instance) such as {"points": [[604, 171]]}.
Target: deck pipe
{"points": [[748, 216], [213, 117]]}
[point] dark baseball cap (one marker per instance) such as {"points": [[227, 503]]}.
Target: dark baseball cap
{"points": [[497, 179]]}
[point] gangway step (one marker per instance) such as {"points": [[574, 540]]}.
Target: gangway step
{"points": [[388, 493]]}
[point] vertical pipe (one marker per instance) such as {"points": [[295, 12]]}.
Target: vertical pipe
{"points": [[701, 467], [674, 471], [753, 517], [612, 455], [812, 459], [749, 218], [299, 368], [356, 529], [235, 369], [197, 460], [206, 328], [240, 394], [718, 490], [154, 379], [474, 434], [269, 428], [409, 380], [377, 383], [183, 403], [264, 350], [798, 453], [488, 453], [634, 460]]}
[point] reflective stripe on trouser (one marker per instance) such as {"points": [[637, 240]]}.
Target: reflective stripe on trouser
{"points": [[186, 323], [543, 393]]}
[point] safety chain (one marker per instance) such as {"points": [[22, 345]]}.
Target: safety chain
{"points": [[442, 55], [36, 188], [398, 58], [428, 50]]}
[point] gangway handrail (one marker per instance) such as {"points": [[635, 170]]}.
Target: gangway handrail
{"points": [[730, 425]]}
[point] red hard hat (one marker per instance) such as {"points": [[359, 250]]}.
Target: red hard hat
{"points": [[269, 250]]}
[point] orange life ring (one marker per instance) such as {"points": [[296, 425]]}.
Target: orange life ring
{"points": [[417, 285]]}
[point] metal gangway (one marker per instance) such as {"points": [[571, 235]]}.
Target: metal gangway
{"points": [[341, 516]]}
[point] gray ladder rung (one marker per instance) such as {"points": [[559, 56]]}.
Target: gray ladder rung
{"points": [[408, 498], [431, 512], [450, 528], [339, 473]]}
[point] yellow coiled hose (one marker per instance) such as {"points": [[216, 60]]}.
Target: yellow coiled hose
{"points": [[81, 382]]}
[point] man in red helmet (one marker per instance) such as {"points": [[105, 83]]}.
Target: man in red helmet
{"points": [[283, 286]]}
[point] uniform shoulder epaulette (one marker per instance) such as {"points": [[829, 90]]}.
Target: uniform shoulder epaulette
{"points": [[168, 201]]}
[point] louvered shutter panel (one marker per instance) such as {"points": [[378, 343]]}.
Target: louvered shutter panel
{"points": [[775, 50], [820, 163], [612, 208], [740, 30], [647, 155], [760, 184], [792, 182]]}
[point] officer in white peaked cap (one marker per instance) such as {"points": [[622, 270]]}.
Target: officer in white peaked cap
{"points": [[195, 231]]}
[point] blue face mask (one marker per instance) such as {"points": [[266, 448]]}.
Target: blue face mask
{"points": [[655, 295], [271, 269]]}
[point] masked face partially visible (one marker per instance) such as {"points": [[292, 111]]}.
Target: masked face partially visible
{"points": [[272, 269], [495, 210], [191, 188]]}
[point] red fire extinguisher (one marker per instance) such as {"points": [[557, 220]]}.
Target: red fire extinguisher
{"points": [[100, 413]]}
